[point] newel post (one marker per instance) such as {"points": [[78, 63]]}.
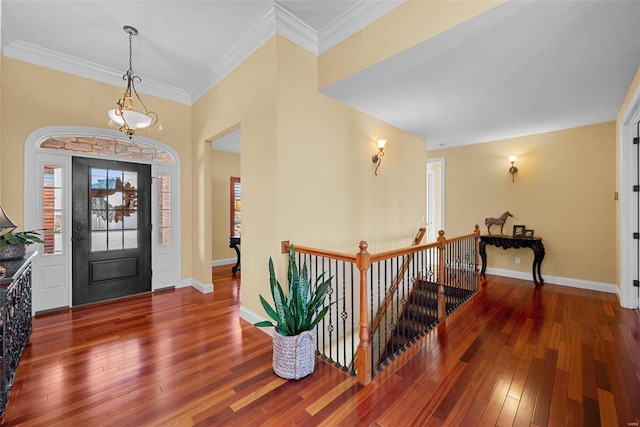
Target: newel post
{"points": [[363, 353], [442, 303]]}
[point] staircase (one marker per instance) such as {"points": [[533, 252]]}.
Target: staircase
{"points": [[420, 314]]}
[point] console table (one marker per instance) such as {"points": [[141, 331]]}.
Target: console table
{"points": [[234, 241], [506, 242], [15, 314]]}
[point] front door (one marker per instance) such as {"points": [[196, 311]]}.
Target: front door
{"points": [[111, 229]]}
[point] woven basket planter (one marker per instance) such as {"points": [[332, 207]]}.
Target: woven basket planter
{"points": [[294, 357]]}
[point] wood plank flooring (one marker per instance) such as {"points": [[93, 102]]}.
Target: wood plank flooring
{"points": [[512, 355]]}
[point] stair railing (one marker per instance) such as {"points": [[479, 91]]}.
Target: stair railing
{"points": [[397, 281], [359, 289]]}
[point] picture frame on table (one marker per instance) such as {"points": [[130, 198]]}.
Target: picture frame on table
{"points": [[518, 230], [528, 234]]}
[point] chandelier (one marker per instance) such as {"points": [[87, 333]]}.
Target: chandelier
{"points": [[128, 119]]}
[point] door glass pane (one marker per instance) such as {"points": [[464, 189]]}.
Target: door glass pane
{"points": [[114, 202], [130, 239], [98, 241], [52, 209]]}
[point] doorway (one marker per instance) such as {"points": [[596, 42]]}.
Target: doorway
{"points": [[435, 197], [111, 229]]}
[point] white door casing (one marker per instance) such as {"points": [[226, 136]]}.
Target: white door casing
{"points": [[435, 197], [628, 208], [52, 272]]}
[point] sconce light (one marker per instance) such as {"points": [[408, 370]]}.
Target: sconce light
{"points": [[377, 158], [513, 170]]}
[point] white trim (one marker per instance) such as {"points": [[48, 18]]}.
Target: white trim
{"points": [[252, 318], [627, 203], [353, 20], [443, 195], [34, 155], [225, 261], [33, 54], [275, 19], [255, 36], [204, 288], [555, 280], [292, 28]]}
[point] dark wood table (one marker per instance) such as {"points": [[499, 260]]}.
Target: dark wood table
{"points": [[234, 241], [507, 242]]}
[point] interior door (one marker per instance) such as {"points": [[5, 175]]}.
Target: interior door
{"points": [[111, 229], [435, 198]]}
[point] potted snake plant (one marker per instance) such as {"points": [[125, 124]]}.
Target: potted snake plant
{"points": [[295, 316]]}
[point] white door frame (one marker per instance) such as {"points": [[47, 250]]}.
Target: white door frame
{"points": [[627, 203], [52, 273], [438, 203]]}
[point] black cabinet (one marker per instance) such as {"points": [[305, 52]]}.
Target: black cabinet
{"points": [[15, 315]]}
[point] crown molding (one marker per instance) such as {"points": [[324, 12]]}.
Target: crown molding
{"points": [[27, 52], [275, 19], [292, 28], [255, 36], [353, 20]]}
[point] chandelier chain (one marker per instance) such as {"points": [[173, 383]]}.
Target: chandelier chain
{"points": [[130, 53]]}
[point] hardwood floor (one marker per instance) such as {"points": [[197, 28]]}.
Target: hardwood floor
{"points": [[512, 355]]}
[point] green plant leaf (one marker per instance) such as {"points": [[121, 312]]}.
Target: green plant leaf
{"points": [[270, 311], [276, 291], [297, 311], [263, 324], [318, 318]]}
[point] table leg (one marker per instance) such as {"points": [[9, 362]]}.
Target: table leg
{"points": [[483, 256], [538, 256], [236, 267]]}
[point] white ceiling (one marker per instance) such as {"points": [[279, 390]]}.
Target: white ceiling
{"points": [[520, 68]]}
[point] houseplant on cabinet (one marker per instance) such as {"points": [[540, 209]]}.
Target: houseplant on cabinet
{"points": [[13, 245], [295, 314]]}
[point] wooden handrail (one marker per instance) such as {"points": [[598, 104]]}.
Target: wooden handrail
{"points": [[363, 360], [381, 256], [286, 245]]}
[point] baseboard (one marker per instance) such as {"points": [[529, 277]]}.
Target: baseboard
{"points": [[252, 318], [205, 289], [555, 280], [219, 262]]}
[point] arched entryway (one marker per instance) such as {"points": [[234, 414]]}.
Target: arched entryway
{"points": [[125, 168]]}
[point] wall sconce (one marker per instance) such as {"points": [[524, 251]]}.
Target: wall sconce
{"points": [[377, 158], [513, 170]]}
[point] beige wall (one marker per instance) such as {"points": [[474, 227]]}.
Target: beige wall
{"points": [[34, 97], [246, 96], [307, 174], [564, 190], [225, 165]]}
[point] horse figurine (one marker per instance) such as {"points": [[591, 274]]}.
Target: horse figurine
{"points": [[497, 221]]}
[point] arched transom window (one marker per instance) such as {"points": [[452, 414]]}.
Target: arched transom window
{"points": [[108, 147]]}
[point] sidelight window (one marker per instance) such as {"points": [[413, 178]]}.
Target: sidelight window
{"points": [[164, 209], [52, 209]]}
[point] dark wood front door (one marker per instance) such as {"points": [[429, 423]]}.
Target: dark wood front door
{"points": [[111, 229]]}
